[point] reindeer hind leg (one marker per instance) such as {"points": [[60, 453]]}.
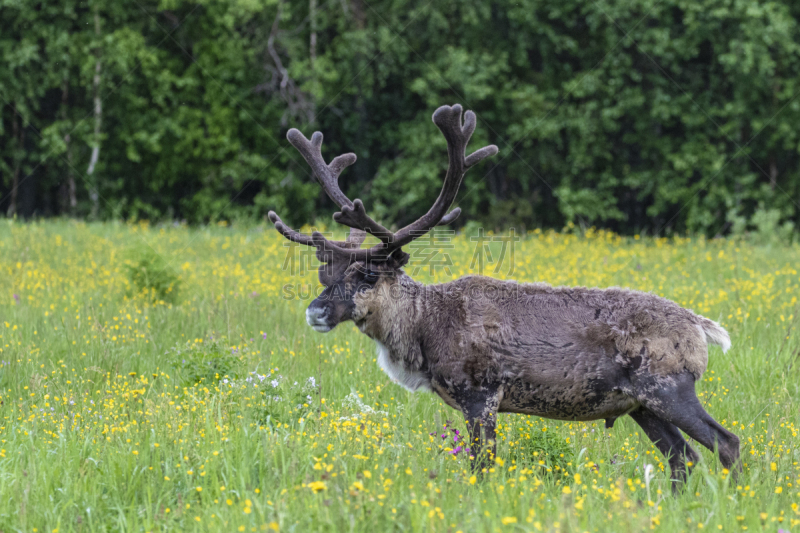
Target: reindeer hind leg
{"points": [[673, 400], [670, 443]]}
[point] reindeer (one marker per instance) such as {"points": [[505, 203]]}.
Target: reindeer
{"points": [[487, 346]]}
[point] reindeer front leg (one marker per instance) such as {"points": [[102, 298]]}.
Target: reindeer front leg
{"points": [[480, 411]]}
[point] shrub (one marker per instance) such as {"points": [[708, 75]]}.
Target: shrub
{"points": [[547, 446], [152, 276], [765, 227], [206, 362]]}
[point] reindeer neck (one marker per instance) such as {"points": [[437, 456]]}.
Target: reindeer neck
{"points": [[399, 333], [398, 313]]}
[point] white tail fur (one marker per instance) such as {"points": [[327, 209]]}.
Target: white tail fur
{"points": [[716, 334]]}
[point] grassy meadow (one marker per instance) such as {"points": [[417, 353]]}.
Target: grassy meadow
{"points": [[163, 378]]}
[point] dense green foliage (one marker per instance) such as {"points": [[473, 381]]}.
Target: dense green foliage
{"points": [[638, 115]]}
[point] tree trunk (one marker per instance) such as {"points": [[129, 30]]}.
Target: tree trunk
{"points": [[19, 136], [773, 172], [359, 15], [94, 191], [68, 199], [312, 52]]}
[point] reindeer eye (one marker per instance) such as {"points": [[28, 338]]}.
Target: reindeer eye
{"points": [[370, 276]]}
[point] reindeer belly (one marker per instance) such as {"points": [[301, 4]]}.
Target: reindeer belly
{"points": [[576, 401]]}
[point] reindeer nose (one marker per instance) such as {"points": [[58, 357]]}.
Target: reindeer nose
{"points": [[317, 318]]}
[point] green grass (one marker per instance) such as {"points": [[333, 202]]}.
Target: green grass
{"points": [[124, 412]]}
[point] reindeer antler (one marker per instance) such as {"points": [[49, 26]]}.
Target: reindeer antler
{"points": [[327, 175], [448, 119], [353, 213]]}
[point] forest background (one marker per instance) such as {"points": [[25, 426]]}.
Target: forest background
{"points": [[654, 116]]}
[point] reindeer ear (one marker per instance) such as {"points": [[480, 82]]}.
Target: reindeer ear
{"points": [[398, 259]]}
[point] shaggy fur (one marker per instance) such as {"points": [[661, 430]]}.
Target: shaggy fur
{"points": [[569, 353]]}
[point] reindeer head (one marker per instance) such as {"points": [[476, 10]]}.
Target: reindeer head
{"points": [[352, 274]]}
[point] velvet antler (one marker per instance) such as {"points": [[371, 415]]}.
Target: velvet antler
{"points": [[353, 213]]}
